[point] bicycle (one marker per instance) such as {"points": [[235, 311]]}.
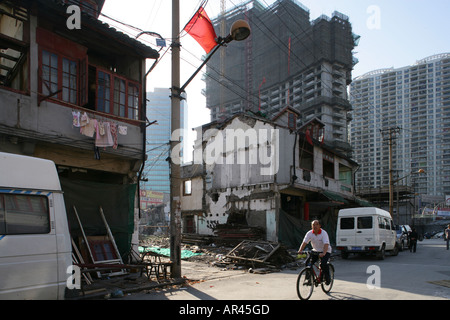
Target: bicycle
{"points": [[311, 276]]}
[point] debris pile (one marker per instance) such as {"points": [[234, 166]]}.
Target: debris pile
{"points": [[260, 253], [254, 255], [235, 233]]}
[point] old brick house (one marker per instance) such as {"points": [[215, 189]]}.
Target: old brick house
{"points": [[76, 96]]}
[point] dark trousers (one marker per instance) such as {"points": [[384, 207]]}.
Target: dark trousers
{"points": [[323, 264], [412, 245]]}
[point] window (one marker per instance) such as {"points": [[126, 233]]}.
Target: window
{"points": [[117, 95], [328, 165], [387, 224], [133, 101], [347, 223], [59, 77], [306, 155], [69, 81], [364, 222], [381, 223], [49, 72], [24, 214], [292, 120], [187, 187], [103, 92]]}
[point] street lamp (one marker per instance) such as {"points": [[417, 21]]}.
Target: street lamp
{"points": [[391, 191], [239, 31]]}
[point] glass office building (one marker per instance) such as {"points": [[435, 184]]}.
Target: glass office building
{"points": [[156, 170]]}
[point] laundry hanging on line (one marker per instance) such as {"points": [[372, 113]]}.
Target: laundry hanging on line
{"points": [[104, 132]]}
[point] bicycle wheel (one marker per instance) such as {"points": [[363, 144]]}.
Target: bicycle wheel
{"points": [[305, 284], [327, 287]]}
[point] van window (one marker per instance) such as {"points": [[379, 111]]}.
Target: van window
{"points": [[364, 222], [347, 223], [387, 224], [381, 224], [24, 214]]}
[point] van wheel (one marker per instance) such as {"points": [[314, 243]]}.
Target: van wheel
{"points": [[394, 251], [381, 253], [344, 255]]}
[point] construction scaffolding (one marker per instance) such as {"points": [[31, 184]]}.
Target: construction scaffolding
{"points": [[287, 60]]}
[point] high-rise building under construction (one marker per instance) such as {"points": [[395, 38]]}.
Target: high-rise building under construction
{"points": [[287, 61]]}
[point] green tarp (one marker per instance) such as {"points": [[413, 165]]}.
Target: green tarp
{"points": [[117, 202], [185, 254]]}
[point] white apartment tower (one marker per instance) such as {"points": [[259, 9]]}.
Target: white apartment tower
{"points": [[412, 104]]}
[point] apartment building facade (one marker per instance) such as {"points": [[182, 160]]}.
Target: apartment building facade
{"points": [[409, 106]]}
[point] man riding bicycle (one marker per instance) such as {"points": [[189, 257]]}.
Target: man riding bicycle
{"points": [[320, 243]]}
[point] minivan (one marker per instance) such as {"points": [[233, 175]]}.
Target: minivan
{"points": [[365, 230], [35, 245]]}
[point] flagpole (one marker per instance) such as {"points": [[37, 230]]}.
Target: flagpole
{"points": [[174, 159], [222, 42]]}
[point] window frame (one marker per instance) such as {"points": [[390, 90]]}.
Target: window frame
{"points": [[58, 94], [7, 199], [64, 49], [362, 223], [187, 191], [345, 222], [112, 95], [305, 147]]}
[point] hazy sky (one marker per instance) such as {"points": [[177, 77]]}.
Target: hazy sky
{"points": [[394, 33]]}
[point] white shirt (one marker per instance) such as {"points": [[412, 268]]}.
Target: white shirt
{"points": [[317, 240]]}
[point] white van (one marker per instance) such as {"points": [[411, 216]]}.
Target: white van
{"points": [[365, 230], [35, 245]]}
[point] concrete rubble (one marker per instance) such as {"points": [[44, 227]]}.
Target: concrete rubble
{"points": [[212, 262]]}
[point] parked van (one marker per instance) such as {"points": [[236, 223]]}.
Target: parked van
{"points": [[35, 245], [365, 230]]}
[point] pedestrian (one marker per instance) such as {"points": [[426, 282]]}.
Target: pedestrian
{"points": [[413, 240], [321, 243], [447, 235]]}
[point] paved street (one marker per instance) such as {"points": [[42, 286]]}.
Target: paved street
{"points": [[408, 276]]}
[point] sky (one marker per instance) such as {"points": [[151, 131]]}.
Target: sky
{"points": [[394, 33]]}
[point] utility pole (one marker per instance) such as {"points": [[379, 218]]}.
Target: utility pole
{"points": [[391, 136], [174, 158]]}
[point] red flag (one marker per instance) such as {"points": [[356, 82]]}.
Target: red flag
{"points": [[201, 29]]}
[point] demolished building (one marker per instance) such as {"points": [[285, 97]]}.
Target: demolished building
{"points": [[259, 176]]}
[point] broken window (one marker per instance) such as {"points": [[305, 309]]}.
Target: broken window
{"points": [[14, 46], [345, 175], [306, 155], [328, 165]]}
